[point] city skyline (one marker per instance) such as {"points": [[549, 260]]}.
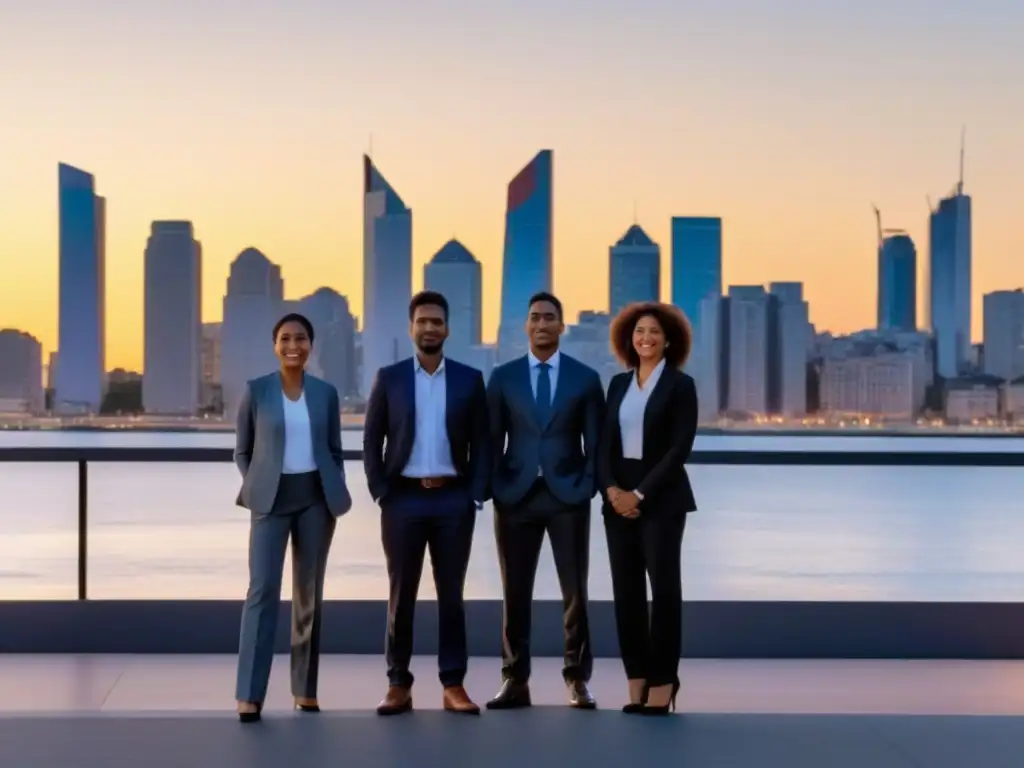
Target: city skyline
{"points": [[790, 156]]}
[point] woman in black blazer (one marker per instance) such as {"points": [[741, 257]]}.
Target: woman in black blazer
{"points": [[648, 432]]}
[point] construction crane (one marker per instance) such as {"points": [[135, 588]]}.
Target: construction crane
{"points": [[884, 233]]}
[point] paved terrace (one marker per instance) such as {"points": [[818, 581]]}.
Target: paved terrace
{"points": [[176, 711]]}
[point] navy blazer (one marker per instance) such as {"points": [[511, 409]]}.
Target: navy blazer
{"points": [[564, 448], [389, 430]]}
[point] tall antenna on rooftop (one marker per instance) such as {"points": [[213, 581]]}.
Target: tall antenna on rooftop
{"points": [[963, 139]]}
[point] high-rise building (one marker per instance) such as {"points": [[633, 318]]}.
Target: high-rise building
{"points": [[527, 263], [788, 364], [211, 396], [897, 283], [252, 304], [457, 274], [172, 372], [387, 274], [750, 349], [1003, 319], [711, 350], [634, 270], [21, 375], [334, 350], [949, 281], [82, 300], [696, 262]]}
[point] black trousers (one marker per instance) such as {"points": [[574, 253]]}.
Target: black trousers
{"points": [[519, 530], [413, 522], [650, 546]]}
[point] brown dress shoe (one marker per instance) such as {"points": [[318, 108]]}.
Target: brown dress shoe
{"points": [[396, 701], [457, 700]]}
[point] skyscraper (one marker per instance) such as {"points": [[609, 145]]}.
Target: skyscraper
{"points": [[527, 261], [82, 301], [634, 270], [334, 350], [172, 368], [696, 263], [789, 349], [252, 304], [1003, 319], [387, 274], [897, 283], [456, 273], [750, 348], [949, 280]]}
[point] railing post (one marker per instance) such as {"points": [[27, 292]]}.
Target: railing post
{"points": [[83, 529]]}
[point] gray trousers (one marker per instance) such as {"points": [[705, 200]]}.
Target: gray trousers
{"points": [[299, 514]]}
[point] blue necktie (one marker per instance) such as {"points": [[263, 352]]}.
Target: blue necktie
{"points": [[543, 392]]}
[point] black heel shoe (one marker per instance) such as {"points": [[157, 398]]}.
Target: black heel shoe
{"points": [[252, 717], [648, 709], [634, 707]]}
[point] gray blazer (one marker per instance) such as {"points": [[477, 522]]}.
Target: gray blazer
{"points": [[564, 447], [259, 442]]}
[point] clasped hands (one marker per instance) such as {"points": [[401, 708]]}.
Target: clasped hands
{"points": [[625, 503]]}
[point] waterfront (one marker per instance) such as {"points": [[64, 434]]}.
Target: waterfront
{"points": [[762, 533]]}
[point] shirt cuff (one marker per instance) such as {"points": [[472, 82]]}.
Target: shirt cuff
{"points": [[639, 495]]}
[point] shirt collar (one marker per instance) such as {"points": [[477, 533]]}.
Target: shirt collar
{"points": [[551, 361], [420, 369]]}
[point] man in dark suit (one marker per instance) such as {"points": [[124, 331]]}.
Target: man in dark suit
{"points": [[549, 406], [425, 451]]}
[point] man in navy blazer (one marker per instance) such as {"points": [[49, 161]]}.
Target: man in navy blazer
{"points": [[426, 455]]}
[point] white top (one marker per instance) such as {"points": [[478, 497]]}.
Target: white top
{"points": [[431, 454], [631, 413], [298, 437]]}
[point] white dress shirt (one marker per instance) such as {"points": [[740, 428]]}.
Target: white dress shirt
{"points": [[431, 454], [298, 437], [631, 413]]}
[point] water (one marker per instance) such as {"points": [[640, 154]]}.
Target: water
{"points": [[762, 533]]}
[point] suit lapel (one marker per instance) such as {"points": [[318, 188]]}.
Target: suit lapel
{"points": [[656, 404], [314, 404], [272, 396], [409, 390], [451, 393], [524, 382]]}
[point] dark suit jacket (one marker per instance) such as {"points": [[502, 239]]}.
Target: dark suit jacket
{"points": [[670, 425], [390, 426], [565, 448], [259, 442]]}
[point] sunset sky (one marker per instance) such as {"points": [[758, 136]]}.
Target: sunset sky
{"points": [[250, 117]]}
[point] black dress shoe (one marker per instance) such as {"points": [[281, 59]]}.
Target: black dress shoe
{"points": [[511, 696], [580, 696], [252, 717]]}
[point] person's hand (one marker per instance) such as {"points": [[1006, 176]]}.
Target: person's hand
{"points": [[625, 503]]}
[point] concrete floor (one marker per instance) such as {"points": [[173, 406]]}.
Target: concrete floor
{"points": [[115, 711]]}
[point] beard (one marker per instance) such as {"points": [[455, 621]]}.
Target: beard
{"points": [[430, 349]]}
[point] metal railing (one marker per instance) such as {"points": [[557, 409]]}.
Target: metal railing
{"points": [[83, 457]]}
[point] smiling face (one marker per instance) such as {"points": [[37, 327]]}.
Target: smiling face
{"points": [[544, 326], [292, 345], [649, 339]]}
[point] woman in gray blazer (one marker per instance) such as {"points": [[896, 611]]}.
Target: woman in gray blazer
{"points": [[288, 449]]}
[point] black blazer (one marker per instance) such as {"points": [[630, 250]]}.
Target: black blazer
{"points": [[670, 425], [390, 426]]}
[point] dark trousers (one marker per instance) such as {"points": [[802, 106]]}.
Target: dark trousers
{"points": [[413, 522], [649, 546], [519, 530]]}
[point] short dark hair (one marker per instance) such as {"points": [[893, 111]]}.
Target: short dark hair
{"points": [[550, 298], [295, 317], [675, 326], [428, 299]]}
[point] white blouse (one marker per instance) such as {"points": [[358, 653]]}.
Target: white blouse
{"points": [[298, 437], [631, 413]]}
